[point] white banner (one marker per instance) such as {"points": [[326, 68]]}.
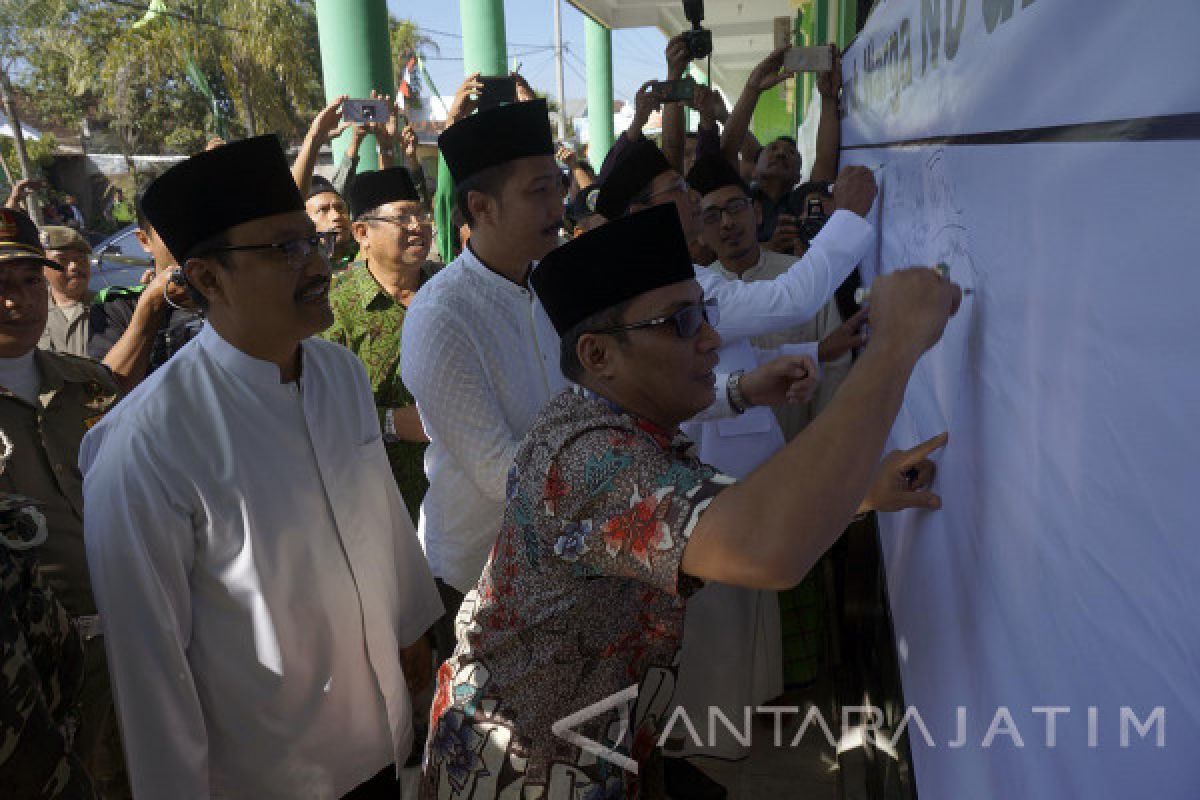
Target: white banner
{"points": [[1046, 619]]}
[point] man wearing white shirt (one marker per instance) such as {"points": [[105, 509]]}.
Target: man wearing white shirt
{"points": [[263, 595]]}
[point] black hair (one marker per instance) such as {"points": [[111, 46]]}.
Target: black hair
{"points": [[568, 357], [142, 221], [489, 181]]}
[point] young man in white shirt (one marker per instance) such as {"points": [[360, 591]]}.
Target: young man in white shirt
{"points": [[262, 592]]}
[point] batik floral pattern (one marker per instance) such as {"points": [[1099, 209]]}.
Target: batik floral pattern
{"points": [[609, 501]]}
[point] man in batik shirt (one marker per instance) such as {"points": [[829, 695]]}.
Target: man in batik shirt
{"points": [[611, 521], [370, 301]]}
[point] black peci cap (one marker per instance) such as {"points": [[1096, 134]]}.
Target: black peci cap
{"points": [[496, 136], [370, 190], [212, 192], [628, 175], [611, 264]]}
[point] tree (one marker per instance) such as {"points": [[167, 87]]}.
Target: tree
{"points": [[19, 20]]}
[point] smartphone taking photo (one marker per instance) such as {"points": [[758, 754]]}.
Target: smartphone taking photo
{"points": [[681, 90], [497, 91], [808, 59], [364, 110]]}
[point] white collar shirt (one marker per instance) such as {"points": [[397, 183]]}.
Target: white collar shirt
{"points": [[481, 358], [257, 575]]}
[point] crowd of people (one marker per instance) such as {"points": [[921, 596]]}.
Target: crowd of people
{"points": [[364, 475]]}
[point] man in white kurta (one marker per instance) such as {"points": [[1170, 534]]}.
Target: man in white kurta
{"points": [[256, 571]]}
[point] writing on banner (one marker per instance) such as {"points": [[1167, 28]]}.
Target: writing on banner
{"points": [[883, 66]]}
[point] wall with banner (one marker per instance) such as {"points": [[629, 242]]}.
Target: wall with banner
{"points": [[1047, 620]]}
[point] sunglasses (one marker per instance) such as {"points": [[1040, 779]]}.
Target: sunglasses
{"points": [[688, 320]]}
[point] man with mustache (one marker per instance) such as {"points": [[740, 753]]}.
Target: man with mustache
{"points": [[258, 576], [370, 301], [67, 325], [47, 402]]}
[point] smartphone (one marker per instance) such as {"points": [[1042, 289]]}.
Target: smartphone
{"points": [[682, 90], [809, 59], [783, 32], [497, 91], [362, 110]]}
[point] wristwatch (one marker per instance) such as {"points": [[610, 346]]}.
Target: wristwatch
{"points": [[733, 390]]}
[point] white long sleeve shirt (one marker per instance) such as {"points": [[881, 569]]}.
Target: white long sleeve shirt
{"points": [[257, 575], [481, 358]]}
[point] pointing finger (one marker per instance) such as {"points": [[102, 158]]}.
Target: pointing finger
{"points": [[925, 448]]}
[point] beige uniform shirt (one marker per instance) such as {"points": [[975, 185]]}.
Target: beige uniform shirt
{"points": [[793, 418], [74, 393], [68, 327]]}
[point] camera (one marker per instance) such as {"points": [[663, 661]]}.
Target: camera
{"points": [[698, 40], [814, 219]]}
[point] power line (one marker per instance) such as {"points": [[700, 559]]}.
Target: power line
{"points": [[436, 32]]}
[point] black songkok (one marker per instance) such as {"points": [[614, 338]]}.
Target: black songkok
{"points": [[628, 176], [319, 185], [496, 136], [370, 190], [212, 192], [613, 263]]}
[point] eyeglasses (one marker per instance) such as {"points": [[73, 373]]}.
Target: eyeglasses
{"points": [[687, 320], [680, 186], [297, 251], [403, 220], [712, 214]]}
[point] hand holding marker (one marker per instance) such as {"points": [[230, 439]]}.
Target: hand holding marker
{"points": [[863, 295]]}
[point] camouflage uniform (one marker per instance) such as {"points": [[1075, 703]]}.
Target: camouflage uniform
{"points": [[41, 670], [368, 321], [73, 395]]}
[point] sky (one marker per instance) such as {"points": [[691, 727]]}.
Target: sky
{"points": [[637, 53]]}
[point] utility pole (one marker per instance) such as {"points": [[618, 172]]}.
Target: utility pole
{"points": [[14, 122], [558, 71]]}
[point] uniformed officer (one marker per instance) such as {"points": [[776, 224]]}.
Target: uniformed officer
{"points": [[67, 325], [136, 329], [41, 666], [47, 402]]}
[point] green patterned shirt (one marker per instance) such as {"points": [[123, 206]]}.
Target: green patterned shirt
{"points": [[368, 321]]}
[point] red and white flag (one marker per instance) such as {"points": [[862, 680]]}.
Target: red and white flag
{"points": [[407, 81]]}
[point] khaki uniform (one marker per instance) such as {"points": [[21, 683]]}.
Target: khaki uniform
{"points": [[73, 394], [68, 329]]}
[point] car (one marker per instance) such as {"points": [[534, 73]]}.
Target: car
{"points": [[119, 260]]}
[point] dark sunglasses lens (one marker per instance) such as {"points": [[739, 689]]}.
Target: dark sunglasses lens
{"points": [[688, 321]]}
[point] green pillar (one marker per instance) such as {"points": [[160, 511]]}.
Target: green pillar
{"points": [[847, 21], [483, 37], [599, 91], [356, 57]]}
